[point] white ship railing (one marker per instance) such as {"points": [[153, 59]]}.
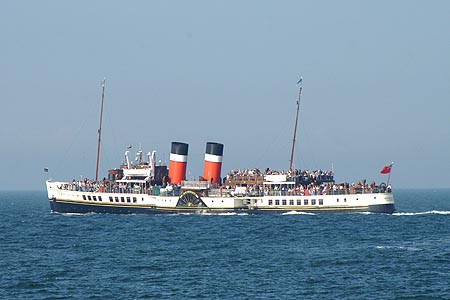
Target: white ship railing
{"points": [[195, 185]]}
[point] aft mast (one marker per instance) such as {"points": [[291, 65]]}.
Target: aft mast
{"points": [[295, 126], [100, 130]]}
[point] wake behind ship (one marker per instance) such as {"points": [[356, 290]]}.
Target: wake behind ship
{"points": [[144, 187]]}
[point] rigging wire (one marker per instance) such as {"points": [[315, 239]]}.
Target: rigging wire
{"points": [[89, 108]]}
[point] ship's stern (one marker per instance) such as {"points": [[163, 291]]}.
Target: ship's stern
{"points": [[384, 204]]}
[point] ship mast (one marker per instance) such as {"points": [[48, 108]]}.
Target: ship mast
{"points": [[296, 121], [100, 130]]}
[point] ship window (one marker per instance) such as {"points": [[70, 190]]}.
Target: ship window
{"points": [[345, 199], [277, 202], [84, 197], [111, 199], [320, 201], [299, 202], [122, 199], [270, 202], [337, 200], [134, 199], [313, 201], [291, 202], [128, 199], [89, 198], [99, 198], [284, 201], [95, 198], [305, 202], [117, 199]]}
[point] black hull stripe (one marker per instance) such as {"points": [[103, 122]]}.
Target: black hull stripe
{"points": [[81, 208]]}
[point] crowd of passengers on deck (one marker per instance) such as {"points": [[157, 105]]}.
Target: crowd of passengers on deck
{"points": [[314, 185], [290, 173], [316, 182], [87, 185], [314, 189]]}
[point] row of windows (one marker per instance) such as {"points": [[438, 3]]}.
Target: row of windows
{"points": [[92, 198], [277, 201], [298, 202], [111, 199], [122, 199]]}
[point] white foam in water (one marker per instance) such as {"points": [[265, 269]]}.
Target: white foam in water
{"points": [[440, 212], [211, 214], [398, 248], [293, 212], [77, 214], [432, 212], [232, 214]]}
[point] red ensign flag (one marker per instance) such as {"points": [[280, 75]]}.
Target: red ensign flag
{"points": [[386, 169]]}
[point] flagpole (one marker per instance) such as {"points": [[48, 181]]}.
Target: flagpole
{"points": [[389, 176]]}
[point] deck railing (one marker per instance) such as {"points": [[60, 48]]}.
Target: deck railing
{"points": [[204, 188]]}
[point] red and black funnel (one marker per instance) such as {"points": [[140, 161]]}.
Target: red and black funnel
{"points": [[213, 162], [178, 162]]}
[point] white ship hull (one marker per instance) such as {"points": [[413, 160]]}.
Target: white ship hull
{"points": [[67, 201]]}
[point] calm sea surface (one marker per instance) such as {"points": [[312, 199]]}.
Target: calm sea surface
{"points": [[296, 256]]}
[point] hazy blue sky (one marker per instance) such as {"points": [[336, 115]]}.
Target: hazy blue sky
{"points": [[376, 86]]}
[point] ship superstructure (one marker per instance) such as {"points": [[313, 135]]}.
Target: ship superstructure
{"points": [[143, 186]]}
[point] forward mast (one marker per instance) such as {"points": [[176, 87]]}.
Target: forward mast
{"points": [[100, 130]]}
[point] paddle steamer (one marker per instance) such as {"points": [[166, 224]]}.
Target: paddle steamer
{"points": [[144, 187]]}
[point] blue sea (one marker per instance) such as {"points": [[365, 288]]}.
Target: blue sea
{"points": [[233, 256]]}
